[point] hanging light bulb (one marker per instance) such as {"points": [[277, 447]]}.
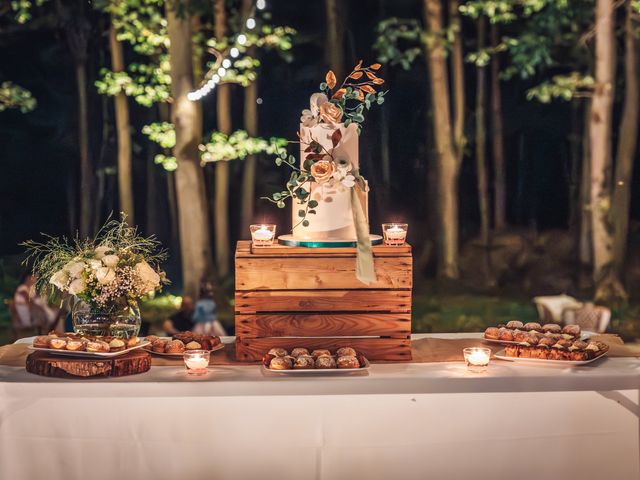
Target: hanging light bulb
{"points": [[226, 63], [261, 4], [242, 39], [234, 52], [222, 71], [251, 23]]}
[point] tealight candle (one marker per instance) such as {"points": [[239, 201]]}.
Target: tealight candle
{"points": [[394, 233], [262, 235], [196, 361], [477, 358]]}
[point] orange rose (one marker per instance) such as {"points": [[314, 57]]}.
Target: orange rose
{"points": [[322, 170], [330, 113]]}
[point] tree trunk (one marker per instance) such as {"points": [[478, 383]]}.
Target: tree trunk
{"points": [[607, 285], [481, 145], [585, 248], [497, 141], [123, 133], [222, 167], [446, 156], [627, 143], [457, 69], [334, 47], [192, 211], [251, 126], [86, 170]]}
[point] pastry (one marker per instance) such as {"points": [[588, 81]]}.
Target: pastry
{"points": [[531, 339], [159, 345], [132, 341], [304, 362], [492, 332], [117, 345], [41, 341], [547, 342], [296, 352], [551, 328], [193, 346], [317, 353], [519, 335], [97, 346], [532, 326], [563, 343], [325, 361], [347, 361], [184, 337], [175, 346], [573, 330], [280, 363], [152, 338], [278, 352], [515, 324], [57, 343], [346, 352], [506, 335], [76, 345]]}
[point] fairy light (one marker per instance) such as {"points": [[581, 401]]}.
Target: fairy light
{"points": [[234, 52]]}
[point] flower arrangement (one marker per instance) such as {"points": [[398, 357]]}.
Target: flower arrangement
{"points": [[334, 107], [109, 272]]}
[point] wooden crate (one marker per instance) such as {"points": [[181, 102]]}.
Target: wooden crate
{"points": [[310, 297]]}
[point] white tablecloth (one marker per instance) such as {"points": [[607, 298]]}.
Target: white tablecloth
{"points": [[410, 421]]}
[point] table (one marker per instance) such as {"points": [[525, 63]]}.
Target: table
{"points": [[410, 421]]}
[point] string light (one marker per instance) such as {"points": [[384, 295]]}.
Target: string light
{"points": [[259, 101], [251, 23], [242, 39], [234, 52], [226, 63], [222, 71], [261, 4]]}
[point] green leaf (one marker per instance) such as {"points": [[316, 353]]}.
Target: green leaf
{"points": [[301, 213], [280, 204], [313, 203], [276, 196], [305, 223], [278, 161]]}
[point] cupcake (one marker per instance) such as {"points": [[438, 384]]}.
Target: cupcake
{"points": [[304, 362], [346, 352], [347, 361], [325, 362], [296, 352]]}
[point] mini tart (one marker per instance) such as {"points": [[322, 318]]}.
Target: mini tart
{"points": [[346, 352], [76, 345], [97, 346], [304, 362], [515, 324], [320, 352], [57, 343], [325, 362], [297, 352], [551, 328], [117, 345], [41, 341], [159, 346], [347, 361], [532, 326], [193, 346], [278, 352], [280, 363], [175, 346], [492, 332], [132, 341]]}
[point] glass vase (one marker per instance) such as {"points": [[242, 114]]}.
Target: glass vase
{"points": [[115, 322]]}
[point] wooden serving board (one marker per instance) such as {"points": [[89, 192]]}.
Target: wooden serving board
{"points": [[47, 365]]}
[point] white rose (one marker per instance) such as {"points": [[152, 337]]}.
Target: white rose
{"points": [[307, 119], [110, 260], [101, 251], [94, 264], [77, 286], [148, 276], [75, 268], [59, 279], [105, 275], [315, 101]]}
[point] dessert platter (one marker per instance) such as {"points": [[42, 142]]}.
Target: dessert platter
{"points": [[176, 345], [302, 362], [515, 332], [77, 345], [563, 352]]}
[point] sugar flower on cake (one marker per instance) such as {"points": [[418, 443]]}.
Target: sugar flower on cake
{"points": [[322, 171]]}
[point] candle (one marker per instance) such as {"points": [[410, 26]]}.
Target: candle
{"points": [[394, 233], [477, 358], [262, 235], [196, 361]]}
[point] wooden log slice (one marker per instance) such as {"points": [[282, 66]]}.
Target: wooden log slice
{"points": [[47, 365]]}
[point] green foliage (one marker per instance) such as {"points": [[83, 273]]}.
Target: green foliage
{"points": [[563, 87], [147, 84], [14, 96], [398, 41], [22, 9], [164, 134], [238, 145]]}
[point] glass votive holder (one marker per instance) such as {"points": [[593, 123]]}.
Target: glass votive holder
{"points": [[196, 361], [477, 358], [262, 235], [394, 233]]}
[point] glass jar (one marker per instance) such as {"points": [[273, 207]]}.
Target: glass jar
{"points": [[115, 322]]}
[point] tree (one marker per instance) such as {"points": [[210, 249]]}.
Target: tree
{"points": [[497, 139], [335, 24], [192, 206]]}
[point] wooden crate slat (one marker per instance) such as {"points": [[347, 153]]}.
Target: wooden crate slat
{"points": [[282, 250], [388, 349], [392, 325], [393, 301], [301, 273]]}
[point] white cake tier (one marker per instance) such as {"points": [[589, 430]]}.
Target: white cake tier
{"points": [[333, 218]]}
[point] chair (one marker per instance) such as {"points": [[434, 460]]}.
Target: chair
{"points": [[590, 317], [550, 308]]}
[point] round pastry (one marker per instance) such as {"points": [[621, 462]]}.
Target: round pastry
{"points": [[318, 353], [280, 363], [175, 346], [184, 337], [492, 333], [347, 361], [159, 346], [296, 352], [519, 335], [506, 335], [546, 342], [278, 352], [97, 346], [346, 352], [193, 346], [304, 362], [325, 361], [532, 339], [132, 341], [266, 360], [551, 328], [564, 343], [74, 344], [573, 330], [580, 345], [41, 341], [117, 345], [533, 326], [515, 324], [57, 343], [152, 338]]}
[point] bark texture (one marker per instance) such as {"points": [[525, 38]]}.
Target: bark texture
{"points": [[334, 47], [481, 145], [497, 141]]}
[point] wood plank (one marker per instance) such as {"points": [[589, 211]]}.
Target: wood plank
{"points": [[313, 273], [244, 248], [375, 349], [393, 301], [48, 365], [395, 325]]}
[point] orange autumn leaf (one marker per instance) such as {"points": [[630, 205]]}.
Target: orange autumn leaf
{"points": [[359, 65], [375, 66], [331, 79], [356, 75], [339, 94], [367, 88], [371, 76], [360, 94], [378, 81]]}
